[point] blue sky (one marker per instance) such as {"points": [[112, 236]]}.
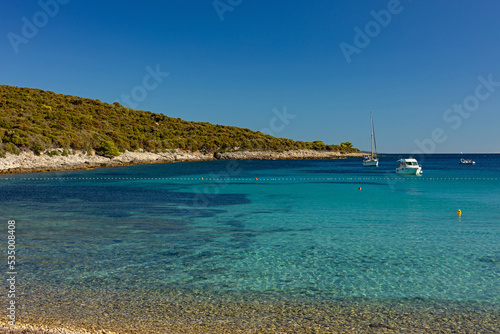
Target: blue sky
{"points": [[302, 70]]}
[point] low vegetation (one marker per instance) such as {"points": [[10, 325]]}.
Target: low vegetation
{"points": [[43, 121]]}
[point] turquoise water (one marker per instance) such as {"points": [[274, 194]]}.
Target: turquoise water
{"points": [[294, 228]]}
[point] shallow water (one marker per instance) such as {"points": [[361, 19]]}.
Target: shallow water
{"points": [[259, 231]]}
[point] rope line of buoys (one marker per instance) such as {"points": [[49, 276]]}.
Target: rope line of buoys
{"points": [[236, 179]]}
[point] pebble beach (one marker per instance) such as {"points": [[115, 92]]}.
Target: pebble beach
{"points": [[268, 315]]}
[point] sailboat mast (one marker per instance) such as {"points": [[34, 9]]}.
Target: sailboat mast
{"points": [[374, 139], [371, 137]]}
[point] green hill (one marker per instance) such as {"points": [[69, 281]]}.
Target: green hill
{"points": [[42, 120]]}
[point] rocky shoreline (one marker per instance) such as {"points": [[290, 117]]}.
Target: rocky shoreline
{"points": [[30, 162]]}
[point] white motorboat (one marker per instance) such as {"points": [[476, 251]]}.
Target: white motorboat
{"points": [[371, 160], [408, 166]]}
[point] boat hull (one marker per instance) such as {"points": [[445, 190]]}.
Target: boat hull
{"points": [[409, 170], [370, 163]]}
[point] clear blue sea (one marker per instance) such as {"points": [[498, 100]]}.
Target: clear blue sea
{"points": [[291, 229]]}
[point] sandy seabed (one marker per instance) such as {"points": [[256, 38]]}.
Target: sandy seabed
{"points": [[177, 313]]}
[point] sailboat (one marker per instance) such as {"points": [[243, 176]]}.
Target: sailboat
{"points": [[371, 160]]}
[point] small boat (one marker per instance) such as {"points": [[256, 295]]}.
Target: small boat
{"points": [[371, 160], [467, 161], [408, 166]]}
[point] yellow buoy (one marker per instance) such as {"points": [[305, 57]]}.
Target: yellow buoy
{"points": [[359, 188], [459, 212]]}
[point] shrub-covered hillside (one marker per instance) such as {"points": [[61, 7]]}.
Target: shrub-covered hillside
{"points": [[42, 120]]}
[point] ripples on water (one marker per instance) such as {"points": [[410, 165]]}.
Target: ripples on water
{"points": [[302, 232]]}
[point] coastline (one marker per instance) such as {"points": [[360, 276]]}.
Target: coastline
{"points": [[28, 162]]}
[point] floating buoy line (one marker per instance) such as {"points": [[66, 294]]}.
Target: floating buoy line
{"points": [[254, 179]]}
